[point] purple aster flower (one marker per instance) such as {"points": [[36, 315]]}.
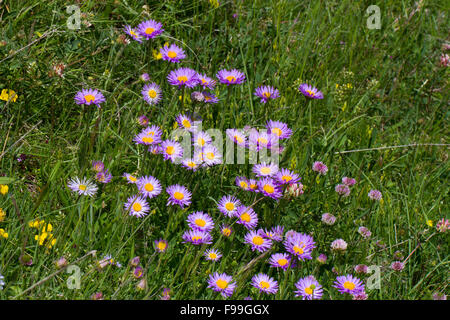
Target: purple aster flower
{"points": [[137, 206], [212, 254], [322, 258], [308, 288], [145, 77], [233, 76], [269, 188], [236, 136], [149, 186], [191, 164], [280, 260], [343, 190], [300, 245], [206, 82], [185, 122], [172, 53], [200, 221], [143, 121], [363, 231], [82, 187], [228, 205], [349, 284], [348, 181], [265, 169], [89, 96], [375, 195], [328, 219], [150, 29], [285, 176], [221, 282], [247, 217], [197, 237], [148, 136], [275, 233], [133, 33], [253, 185], [310, 92], [266, 93], [160, 245], [211, 155], [183, 77], [130, 178], [138, 272], [257, 241], [265, 283], [339, 245], [151, 93], [103, 176], [397, 266], [242, 182], [320, 167], [201, 139], [210, 98], [226, 230], [171, 150], [258, 140], [179, 195], [98, 166], [280, 129]]}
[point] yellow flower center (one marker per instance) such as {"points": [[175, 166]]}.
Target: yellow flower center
{"points": [[182, 79], [171, 54], [132, 178], [268, 188], [231, 78], [265, 170], [161, 246], [149, 187], [201, 141], [137, 207], [212, 255], [238, 139], [266, 94], [178, 195], [149, 30], [186, 123], [264, 285], [262, 140], [147, 139], [226, 232], [229, 206], [246, 217], [308, 290], [89, 98], [298, 250], [222, 284], [192, 164], [258, 240], [152, 93], [277, 131], [82, 187], [210, 155], [286, 178], [203, 81], [200, 222], [311, 93], [282, 262], [253, 186], [244, 185], [196, 238], [170, 150], [349, 285]]}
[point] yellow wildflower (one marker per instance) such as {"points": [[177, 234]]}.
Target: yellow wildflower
{"points": [[3, 234], [430, 223], [3, 189], [2, 215], [8, 94]]}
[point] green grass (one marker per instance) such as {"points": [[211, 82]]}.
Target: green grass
{"points": [[399, 96]]}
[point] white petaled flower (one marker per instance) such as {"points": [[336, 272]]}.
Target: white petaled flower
{"points": [[83, 186]]}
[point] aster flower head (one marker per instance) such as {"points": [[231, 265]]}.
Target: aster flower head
{"points": [[364, 232], [103, 176], [233, 76], [261, 139], [206, 82], [266, 93], [212, 255], [200, 221], [310, 91], [243, 183], [138, 272], [82, 187], [137, 206], [149, 186], [223, 283], [133, 33], [320, 167], [343, 190], [280, 260], [98, 166], [211, 155], [150, 29], [146, 137], [275, 233], [375, 195], [349, 284], [160, 245], [228, 205], [210, 97], [145, 77], [178, 195], [265, 169], [339, 245], [308, 288], [171, 150], [185, 122], [191, 164], [152, 93], [130, 178], [143, 121], [201, 139], [172, 53], [265, 283], [253, 185], [226, 230], [328, 219], [89, 96], [300, 245], [397, 266], [348, 181], [257, 241], [247, 217], [197, 237], [285, 176], [237, 136], [270, 188], [183, 77]]}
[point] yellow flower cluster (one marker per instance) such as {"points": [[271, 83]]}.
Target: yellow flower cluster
{"points": [[44, 237], [2, 215], [3, 234], [3, 189], [157, 54], [8, 94]]}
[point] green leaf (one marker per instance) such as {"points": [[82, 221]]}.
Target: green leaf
{"points": [[6, 180]]}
